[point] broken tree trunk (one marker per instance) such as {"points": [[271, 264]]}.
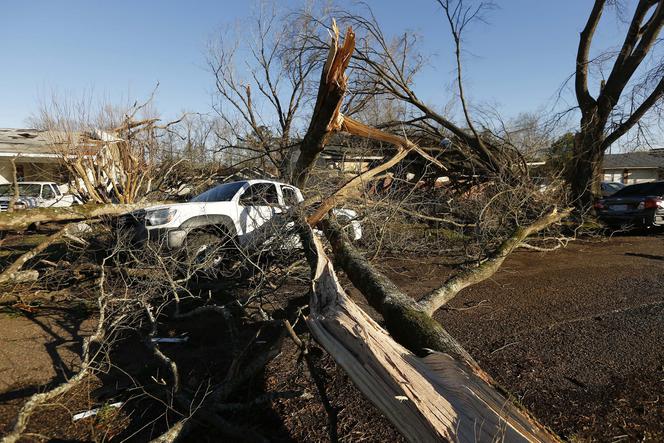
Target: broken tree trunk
{"points": [[20, 220], [327, 119], [331, 90], [428, 399]]}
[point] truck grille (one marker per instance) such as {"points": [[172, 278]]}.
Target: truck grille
{"points": [[132, 219], [3, 206]]}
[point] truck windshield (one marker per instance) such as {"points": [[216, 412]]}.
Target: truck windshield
{"points": [[221, 193], [24, 190]]}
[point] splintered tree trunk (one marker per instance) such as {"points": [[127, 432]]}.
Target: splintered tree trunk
{"points": [[429, 399], [441, 396], [325, 118]]}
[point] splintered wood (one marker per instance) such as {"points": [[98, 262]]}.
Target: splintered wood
{"points": [[428, 399]]}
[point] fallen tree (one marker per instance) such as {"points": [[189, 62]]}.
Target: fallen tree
{"points": [[375, 362], [429, 396], [21, 220], [428, 399]]}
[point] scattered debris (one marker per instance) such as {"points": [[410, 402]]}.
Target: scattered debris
{"points": [[25, 308], [182, 339], [93, 412]]}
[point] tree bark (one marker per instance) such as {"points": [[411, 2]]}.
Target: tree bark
{"points": [[585, 175], [20, 220]]}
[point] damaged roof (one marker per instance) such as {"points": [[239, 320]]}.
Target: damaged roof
{"points": [[35, 142], [635, 160]]}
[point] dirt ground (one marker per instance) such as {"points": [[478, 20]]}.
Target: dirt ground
{"points": [[576, 335], [37, 352]]}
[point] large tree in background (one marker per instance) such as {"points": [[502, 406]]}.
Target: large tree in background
{"points": [[634, 86]]}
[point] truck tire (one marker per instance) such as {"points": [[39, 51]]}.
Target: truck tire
{"points": [[208, 249]]}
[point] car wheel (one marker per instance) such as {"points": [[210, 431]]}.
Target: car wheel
{"points": [[208, 250]]}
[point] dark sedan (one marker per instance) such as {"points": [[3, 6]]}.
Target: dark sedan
{"points": [[640, 205]]}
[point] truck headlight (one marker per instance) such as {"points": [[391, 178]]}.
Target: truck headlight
{"points": [[160, 216], [20, 205]]}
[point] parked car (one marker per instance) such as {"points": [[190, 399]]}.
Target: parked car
{"points": [[640, 205], [610, 188], [35, 195], [237, 210]]}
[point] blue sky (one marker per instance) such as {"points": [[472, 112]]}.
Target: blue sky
{"points": [[119, 50]]}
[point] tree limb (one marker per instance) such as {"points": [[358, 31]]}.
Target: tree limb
{"points": [[584, 98], [20, 220], [12, 271], [431, 302], [634, 118], [638, 42]]}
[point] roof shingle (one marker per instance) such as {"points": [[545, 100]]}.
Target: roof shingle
{"points": [[634, 160]]}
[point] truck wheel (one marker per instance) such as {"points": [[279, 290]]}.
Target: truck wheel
{"points": [[207, 250]]}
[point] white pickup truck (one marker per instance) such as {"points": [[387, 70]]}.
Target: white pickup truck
{"points": [[35, 195], [237, 210]]}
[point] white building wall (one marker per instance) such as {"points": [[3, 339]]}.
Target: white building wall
{"points": [[633, 176]]}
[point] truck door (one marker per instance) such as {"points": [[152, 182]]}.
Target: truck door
{"points": [[48, 197], [258, 204]]}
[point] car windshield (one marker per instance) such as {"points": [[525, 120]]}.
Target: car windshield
{"points": [[221, 193], [24, 190], [641, 189]]}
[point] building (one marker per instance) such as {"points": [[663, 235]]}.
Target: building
{"points": [[634, 167], [35, 156], [350, 160], [43, 155]]}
